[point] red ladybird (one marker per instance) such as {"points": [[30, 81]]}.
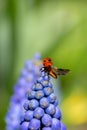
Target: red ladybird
{"points": [[53, 71]]}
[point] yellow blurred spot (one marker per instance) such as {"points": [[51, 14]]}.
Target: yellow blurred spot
{"points": [[37, 63], [75, 109]]}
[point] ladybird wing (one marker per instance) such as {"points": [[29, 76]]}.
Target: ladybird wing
{"points": [[55, 70], [60, 71], [63, 71], [53, 74]]}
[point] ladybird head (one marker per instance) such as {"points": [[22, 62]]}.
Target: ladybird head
{"points": [[47, 62]]}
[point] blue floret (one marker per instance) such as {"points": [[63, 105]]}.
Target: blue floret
{"points": [[29, 74], [43, 102], [34, 105]]}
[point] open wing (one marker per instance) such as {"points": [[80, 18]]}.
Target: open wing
{"points": [[60, 71]]}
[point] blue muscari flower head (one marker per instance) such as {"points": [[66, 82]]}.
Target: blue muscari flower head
{"points": [[28, 76], [41, 106]]}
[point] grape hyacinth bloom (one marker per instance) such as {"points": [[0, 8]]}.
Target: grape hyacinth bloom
{"points": [[41, 106], [28, 76]]}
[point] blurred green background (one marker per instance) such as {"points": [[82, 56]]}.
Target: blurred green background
{"points": [[56, 29]]}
